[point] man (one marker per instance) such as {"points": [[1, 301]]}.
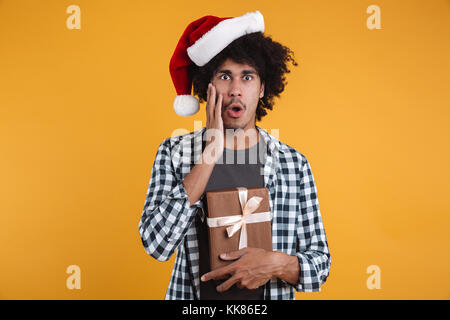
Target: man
{"points": [[238, 71]]}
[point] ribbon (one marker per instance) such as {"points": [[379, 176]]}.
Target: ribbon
{"points": [[240, 221]]}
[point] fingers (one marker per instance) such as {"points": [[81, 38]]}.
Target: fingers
{"points": [[233, 255], [211, 100], [218, 109], [227, 284], [217, 274], [214, 103], [208, 91]]}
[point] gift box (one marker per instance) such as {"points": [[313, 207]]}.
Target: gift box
{"points": [[237, 218]]}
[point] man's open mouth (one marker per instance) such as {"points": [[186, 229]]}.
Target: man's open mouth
{"points": [[235, 110]]}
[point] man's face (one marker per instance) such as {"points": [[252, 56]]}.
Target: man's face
{"points": [[241, 89]]}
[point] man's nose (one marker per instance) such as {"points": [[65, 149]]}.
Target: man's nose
{"points": [[235, 88]]}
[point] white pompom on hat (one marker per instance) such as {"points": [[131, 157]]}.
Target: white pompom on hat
{"points": [[201, 41]]}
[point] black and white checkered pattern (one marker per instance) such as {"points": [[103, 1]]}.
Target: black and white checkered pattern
{"points": [[168, 223]]}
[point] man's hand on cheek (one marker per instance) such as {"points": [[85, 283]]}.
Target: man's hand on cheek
{"points": [[253, 268]]}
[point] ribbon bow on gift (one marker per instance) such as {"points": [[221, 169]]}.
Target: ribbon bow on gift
{"points": [[237, 222]]}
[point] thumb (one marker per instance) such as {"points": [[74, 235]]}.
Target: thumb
{"points": [[233, 255]]}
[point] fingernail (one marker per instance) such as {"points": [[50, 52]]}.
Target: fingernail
{"points": [[203, 278], [223, 255]]}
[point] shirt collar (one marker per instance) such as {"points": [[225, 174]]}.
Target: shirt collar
{"points": [[274, 145], [272, 142]]}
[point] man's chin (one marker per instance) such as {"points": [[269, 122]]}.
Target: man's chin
{"points": [[234, 126]]}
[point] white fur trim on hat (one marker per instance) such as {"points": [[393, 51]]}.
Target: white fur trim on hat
{"points": [[186, 105], [222, 34]]}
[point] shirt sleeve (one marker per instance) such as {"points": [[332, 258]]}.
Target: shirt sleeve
{"points": [[312, 246], [167, 213]]}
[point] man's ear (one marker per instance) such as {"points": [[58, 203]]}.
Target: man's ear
{"points": [[261, 92]]}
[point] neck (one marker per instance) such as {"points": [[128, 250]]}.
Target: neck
{"points": [[241, 138]]}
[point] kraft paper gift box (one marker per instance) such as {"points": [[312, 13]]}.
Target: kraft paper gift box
{"points": [[237, 218]]}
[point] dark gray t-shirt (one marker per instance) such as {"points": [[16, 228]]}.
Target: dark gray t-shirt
{"points": [[236, 168]]}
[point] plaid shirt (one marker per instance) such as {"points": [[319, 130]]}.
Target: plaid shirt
{"points": [[168, 222]]}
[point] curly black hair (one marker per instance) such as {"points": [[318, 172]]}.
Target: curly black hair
{"points": [[268, 57]]}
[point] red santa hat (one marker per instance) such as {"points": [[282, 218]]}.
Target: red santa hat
{"points": [[201, 41]]}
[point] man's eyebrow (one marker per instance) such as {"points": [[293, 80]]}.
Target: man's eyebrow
{"points": [[244, 72]]}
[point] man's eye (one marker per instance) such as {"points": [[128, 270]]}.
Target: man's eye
{"points": [[248, 77], [223, 77]]}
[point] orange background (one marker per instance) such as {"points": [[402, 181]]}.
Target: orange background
{"points": [[82, 113]]}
